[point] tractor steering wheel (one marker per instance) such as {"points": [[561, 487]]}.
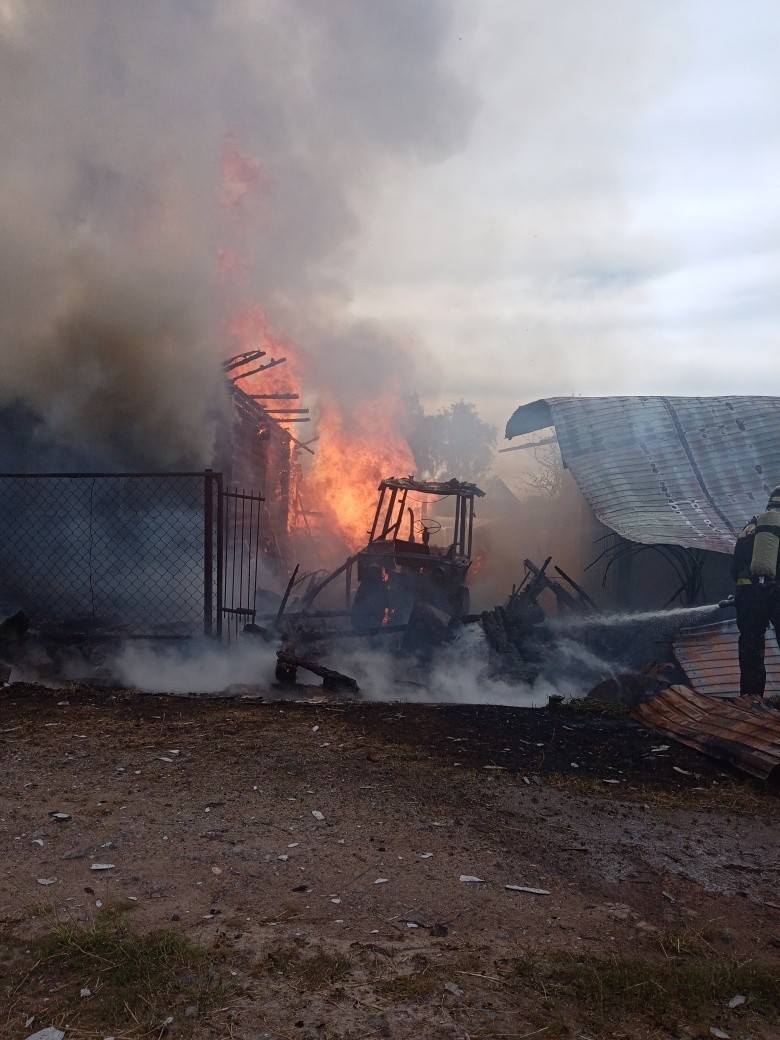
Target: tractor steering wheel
{"points": [[428, 524]]}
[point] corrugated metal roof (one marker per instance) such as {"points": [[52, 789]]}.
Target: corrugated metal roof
{"points": [[708, 656], [684, 471], [745, 733]]}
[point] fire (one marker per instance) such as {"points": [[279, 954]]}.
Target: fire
{"points": [[354, 450], [352, 457], [249, 330], [243, 177]]}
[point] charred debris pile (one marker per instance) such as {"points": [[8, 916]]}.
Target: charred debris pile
{"points": [[417, 617]]}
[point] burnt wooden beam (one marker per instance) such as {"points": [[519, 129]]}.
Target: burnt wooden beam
{"points": [[562, 596], [242, 359], [261, 368], [274, 397], [288, 661]]}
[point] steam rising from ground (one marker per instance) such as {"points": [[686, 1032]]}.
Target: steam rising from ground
{"points": [[583, 652], [113, 211], [459, 673]]}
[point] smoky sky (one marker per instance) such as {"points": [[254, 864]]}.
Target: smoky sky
{"points": [[112, 211], [612, 225]]}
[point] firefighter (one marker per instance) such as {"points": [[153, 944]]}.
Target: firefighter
{"points": [[754, 568]]}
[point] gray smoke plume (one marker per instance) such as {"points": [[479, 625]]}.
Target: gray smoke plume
{"points": [[114, 208]]}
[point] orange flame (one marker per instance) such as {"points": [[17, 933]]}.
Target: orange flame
{"points": [[242, 176], [352, 457], [354, 451], [249, 330]]}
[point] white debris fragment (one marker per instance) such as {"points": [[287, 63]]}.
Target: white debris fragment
{"points": [[381, 881], [684, 772], [174, 751], [737, 1001], [38, 841], [719, 1033], [317, 814], [165, 758], [60, 816], [102, 866], [470, 877], [85, 993], [525, 888], [284, 857], [412, 924], [426, 855], [293, 845], [314, 729], [610, 781], [47, 880], [661, 747], [336, 900], [50, 1033]]}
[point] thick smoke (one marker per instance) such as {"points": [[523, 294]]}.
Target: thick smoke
{"points": [[113, 209]]}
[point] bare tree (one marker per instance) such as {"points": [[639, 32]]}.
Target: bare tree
{"points": [[543, 478]]}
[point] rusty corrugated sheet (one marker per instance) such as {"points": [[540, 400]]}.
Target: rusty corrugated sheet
{"points": [[708, 656], [684, 471], [745, 733]]}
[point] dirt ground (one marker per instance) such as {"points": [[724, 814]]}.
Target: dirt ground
{"points": [[378, 870]]}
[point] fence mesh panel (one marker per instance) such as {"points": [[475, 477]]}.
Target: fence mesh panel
{"points": [[120, 553]]}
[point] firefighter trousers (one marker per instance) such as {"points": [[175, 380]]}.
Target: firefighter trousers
{"points": [[757, 607]]}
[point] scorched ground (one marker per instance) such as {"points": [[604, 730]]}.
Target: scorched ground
{"points": [[307, 870]]}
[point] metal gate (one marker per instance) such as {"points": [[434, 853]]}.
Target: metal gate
{"points": [[243, 551], [135, 555]]}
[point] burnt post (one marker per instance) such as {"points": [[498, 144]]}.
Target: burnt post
{"points": [[212, 495]]}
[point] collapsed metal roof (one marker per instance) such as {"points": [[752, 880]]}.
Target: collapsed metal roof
{"points": [[745, 732], [708, 656], [686, 471]]}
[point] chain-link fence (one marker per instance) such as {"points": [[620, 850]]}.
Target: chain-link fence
{"points": [[131, 554]]}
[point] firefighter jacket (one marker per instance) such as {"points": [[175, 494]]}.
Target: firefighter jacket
{"points": [[748, 562]]}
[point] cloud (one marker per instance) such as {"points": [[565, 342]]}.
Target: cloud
{"points": [[613, 215]]}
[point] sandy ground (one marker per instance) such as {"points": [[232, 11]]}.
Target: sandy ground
{"points": [[354, 833]]}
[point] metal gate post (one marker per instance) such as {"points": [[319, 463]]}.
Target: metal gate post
{"points": [[220, 552], [208, 553]]}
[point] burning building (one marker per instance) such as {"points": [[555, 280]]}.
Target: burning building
{"points": [[662, 487]]}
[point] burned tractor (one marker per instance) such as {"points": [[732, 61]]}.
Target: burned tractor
{"points": [[412, 556]]}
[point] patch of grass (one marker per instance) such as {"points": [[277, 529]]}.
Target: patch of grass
{"points": [[586, 706], [415, 987], [308, 969], [135, 980], [672, 993]]}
